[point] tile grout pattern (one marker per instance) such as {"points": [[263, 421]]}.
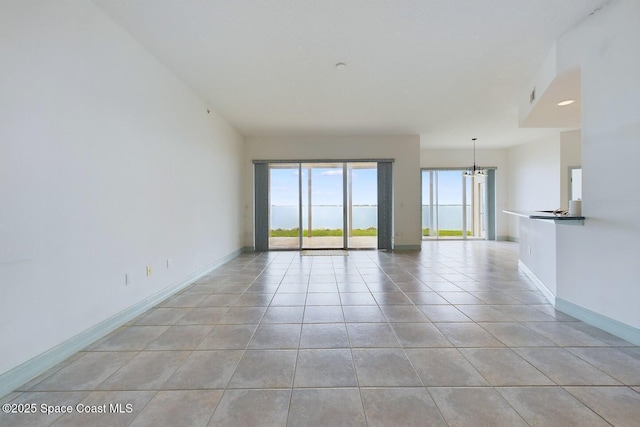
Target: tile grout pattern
{"points": [[452, 335]]}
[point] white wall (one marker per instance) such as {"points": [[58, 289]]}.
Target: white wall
{"points": [[598, 267], [537, 250], [539, 179], [484, 158], [405, 150], [541, 82], [108, 163], [534, 178]]}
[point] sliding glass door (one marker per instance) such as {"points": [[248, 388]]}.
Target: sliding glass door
{"points": [[323, 205], [453, 205]]}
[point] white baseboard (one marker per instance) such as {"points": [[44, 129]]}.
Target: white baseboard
{"points": [[21, 374], [619, 329], [543, 288], [406, 247]]}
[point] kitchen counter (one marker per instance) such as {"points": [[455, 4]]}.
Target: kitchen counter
{"points": [[537, 246], [548, 216]]}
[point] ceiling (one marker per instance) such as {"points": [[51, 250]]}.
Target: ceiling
{"points": [[448, 70]]}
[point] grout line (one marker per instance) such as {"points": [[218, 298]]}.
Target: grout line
{"points": [[389, 266]]}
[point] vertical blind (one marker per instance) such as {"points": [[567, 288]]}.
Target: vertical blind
{"points": [[261, 190], [385, 205]]}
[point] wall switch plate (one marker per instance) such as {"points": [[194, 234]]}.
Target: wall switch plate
{"points": [[168, 263], [148, 270], [128, 279]]}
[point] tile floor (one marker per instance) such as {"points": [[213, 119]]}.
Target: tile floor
{"points": [[453, 335]]}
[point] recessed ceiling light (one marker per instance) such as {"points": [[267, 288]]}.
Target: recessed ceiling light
{"points": [[341, 66], [566, 102]]}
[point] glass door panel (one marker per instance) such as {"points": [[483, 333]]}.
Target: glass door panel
{"points": [[362, 203], [450, 204], [322, 195], [428, 194], [284, 206], [477, 207]]}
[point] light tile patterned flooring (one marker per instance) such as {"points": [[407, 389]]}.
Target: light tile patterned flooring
{"points": [[453, 335]]}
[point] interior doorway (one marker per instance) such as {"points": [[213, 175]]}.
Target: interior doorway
{"points": [[575, 183], [323, 205]]}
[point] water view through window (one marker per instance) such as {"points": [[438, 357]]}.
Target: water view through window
{"points": [[312, 204], [452, 205]]}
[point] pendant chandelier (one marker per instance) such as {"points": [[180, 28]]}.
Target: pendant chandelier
{"points": [[474, 171]]}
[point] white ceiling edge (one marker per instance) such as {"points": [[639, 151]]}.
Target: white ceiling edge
{"points": [[547, 113], [269, 68]]}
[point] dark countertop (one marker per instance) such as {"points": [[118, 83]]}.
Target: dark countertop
{"points": [[545, 215]]}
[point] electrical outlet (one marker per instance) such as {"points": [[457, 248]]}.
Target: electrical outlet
{"points": [[148, 270]]}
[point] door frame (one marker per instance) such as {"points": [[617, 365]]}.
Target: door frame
{"points": [[488, 201], [262, 190]]}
